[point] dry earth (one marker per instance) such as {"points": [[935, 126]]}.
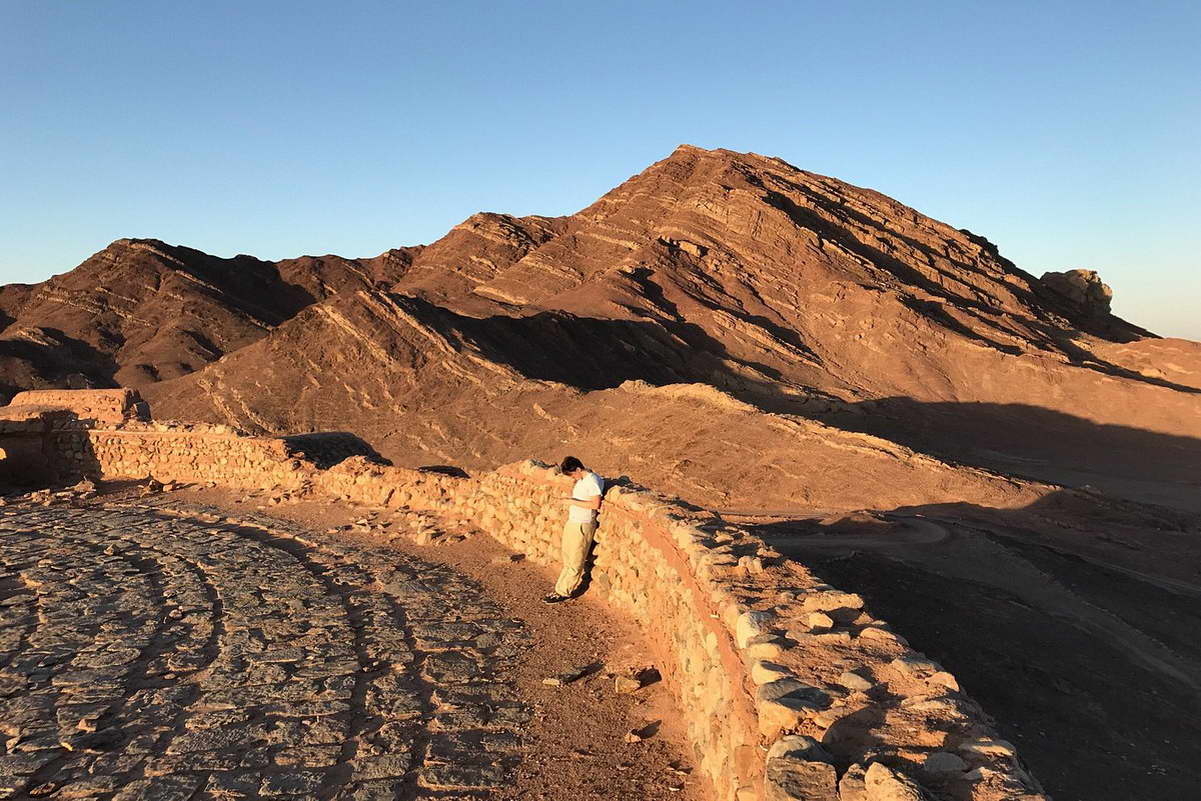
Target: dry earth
{"points": [[186, 647]]}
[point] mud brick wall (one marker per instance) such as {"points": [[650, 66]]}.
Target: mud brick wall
{"points": [[191, 456], [642, 565], [639, 566], [109, 405], [22, 460]]}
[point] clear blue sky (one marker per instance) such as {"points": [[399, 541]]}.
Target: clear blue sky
{"points": [[1068, 133]]}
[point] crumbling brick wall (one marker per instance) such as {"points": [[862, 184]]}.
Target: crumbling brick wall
{"points": [[67, 449], [103, 405]]}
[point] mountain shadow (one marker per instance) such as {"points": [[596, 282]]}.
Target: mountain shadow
{"points": [[1080, 645], [1042, 444]]}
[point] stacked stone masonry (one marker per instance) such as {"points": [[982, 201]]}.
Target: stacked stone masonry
{"points": [[107, 405], [789, 687]]}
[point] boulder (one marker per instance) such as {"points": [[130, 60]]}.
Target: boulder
{"points": [[854, 681], [819, 622], [943, 764], [944, 679], [791, 779], [914, 664], [751, 625], [799, 746], [777, 716], [764, 671], [852, 786], [626, 684], [885, 784], [778, 688], [792, 688], [765, 646], [832, 601], [988, 747], [1082, 288]]}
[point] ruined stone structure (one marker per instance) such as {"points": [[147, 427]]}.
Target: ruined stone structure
{"points": [[790, 688]]}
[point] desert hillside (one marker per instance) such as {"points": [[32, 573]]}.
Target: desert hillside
{"points": [[722, 325], [993, 459], [816, 305], [142, 311]]}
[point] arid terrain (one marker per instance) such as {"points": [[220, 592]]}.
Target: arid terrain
{"points": [[1005, 470], [390, 657]]}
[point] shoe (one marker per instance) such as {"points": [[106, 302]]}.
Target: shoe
{"points": [[554, 598]]}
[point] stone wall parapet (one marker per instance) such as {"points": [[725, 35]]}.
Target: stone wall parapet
{"points": [[790, 687]]}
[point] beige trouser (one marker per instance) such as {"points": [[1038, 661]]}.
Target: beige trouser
{"points": [[577, 539]]}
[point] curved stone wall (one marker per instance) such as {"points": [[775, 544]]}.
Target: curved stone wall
{"points": [[790, 688], [642, 564]]}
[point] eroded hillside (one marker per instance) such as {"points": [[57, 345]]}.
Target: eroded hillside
{"points": [[792, 292], [142, 311], [813, 317]]}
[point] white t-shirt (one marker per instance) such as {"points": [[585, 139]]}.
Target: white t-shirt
{"points": [[585, 489]]}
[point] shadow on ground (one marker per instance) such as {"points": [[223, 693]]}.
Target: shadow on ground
{"points": [[1077, 632], [1044, 445]]}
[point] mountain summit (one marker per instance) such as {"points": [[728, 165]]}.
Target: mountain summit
{"points": [[722, 324]]}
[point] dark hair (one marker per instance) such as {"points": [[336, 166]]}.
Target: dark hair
{"points": [[570, 465]]}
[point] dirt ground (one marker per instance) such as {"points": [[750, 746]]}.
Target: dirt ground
{"points": [[577, 748], [1073, 622]]}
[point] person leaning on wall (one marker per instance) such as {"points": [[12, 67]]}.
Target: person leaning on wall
{"points": [[583, 506]]}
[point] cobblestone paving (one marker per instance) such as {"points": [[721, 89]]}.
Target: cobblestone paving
{"points": [[147, 654]]}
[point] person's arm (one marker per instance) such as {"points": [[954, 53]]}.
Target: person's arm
{"points": [[588, 503], [593, 493]]}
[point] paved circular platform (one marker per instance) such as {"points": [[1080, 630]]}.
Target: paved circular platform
{"points": [[146, 654]]}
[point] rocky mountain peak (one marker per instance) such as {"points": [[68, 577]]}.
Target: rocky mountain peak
{"points": [[784, 291]]}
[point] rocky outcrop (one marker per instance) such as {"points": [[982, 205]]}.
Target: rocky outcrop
{"points": [[1083, 288]]}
